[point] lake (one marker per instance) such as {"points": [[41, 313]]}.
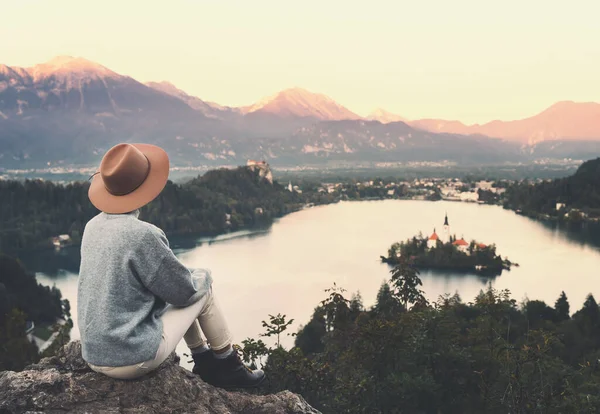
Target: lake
{"points": [[285, 268]]}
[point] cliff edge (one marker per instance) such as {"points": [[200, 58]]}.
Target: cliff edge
{"points": [[64, 383]]}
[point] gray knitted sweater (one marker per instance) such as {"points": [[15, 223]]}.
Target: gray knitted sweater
{"points": [[127, 276]]}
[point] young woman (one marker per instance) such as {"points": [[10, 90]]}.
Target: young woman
{"points": [[136, 300]]}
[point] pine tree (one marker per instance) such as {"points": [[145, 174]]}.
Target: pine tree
{"points": [[310, 337], [590, 310], [386, 304], [356, 305], [562, 307]]}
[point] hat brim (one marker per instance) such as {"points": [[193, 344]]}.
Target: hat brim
{"points": [[151, 187]]}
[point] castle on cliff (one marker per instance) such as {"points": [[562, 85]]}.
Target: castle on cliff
{"points": [[264, 170]]}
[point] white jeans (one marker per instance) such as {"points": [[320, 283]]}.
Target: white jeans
{"points": [[180, 323]]}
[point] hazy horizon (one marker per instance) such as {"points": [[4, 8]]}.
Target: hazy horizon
{"points": [[463, 61]]}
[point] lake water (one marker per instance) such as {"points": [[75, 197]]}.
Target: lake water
{"points": [[286, 267]]}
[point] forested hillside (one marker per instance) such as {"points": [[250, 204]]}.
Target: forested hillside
{"points": [[33, 211], [580, 191], [22, 299], [405, 355]]}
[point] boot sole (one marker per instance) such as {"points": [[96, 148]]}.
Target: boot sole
{"points": [[241, 387]]}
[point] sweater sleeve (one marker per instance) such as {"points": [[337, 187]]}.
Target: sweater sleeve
{"points": [[169, 279]]}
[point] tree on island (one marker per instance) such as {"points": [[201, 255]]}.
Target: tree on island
{"points": [[475, 257]]}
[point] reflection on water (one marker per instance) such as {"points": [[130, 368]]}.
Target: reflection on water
{"points": [[183, 243], [581, 233], [285, 268], [52, 263], [56, 263], [471, 277]]}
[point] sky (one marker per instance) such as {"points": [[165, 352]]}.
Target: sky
{"points": [[469, 60]]}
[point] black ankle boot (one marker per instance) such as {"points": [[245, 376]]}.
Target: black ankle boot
{"points": [[204, 365], [231, 372]]}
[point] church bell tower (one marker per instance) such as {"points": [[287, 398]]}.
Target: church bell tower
{"points": [[446, 229]]}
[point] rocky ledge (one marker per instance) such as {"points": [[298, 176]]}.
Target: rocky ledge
{"points": [[64, 383]]}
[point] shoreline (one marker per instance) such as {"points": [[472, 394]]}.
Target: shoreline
{"points": [[208, 237], [463, 270], [553, 219]]}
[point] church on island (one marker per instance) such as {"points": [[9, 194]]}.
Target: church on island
{"points": [[444, 251], [461, 244]]}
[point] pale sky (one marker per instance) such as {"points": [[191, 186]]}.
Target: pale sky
{"points": [[471, 60]]}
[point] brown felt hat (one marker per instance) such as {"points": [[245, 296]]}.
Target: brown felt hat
{"points": [[130, 176]]}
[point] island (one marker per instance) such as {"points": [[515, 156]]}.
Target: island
{"points": [[447, 252]]}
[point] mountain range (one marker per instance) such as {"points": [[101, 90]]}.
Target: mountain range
{"points": [[69, 111], [565, 120]]}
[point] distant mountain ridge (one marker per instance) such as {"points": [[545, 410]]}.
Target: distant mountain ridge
{"points": [[69, 111], [385, 117], [565, 120], [76, 84], [300, 103], [64, 66], [208, 109]]}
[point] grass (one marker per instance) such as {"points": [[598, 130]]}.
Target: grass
{"points": [[42, 332]]}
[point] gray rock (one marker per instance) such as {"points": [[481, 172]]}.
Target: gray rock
{"points": [[64, 383]]}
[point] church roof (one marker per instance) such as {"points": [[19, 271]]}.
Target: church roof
{"points": [[434, 236], [460, 242], [446, 220]]}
